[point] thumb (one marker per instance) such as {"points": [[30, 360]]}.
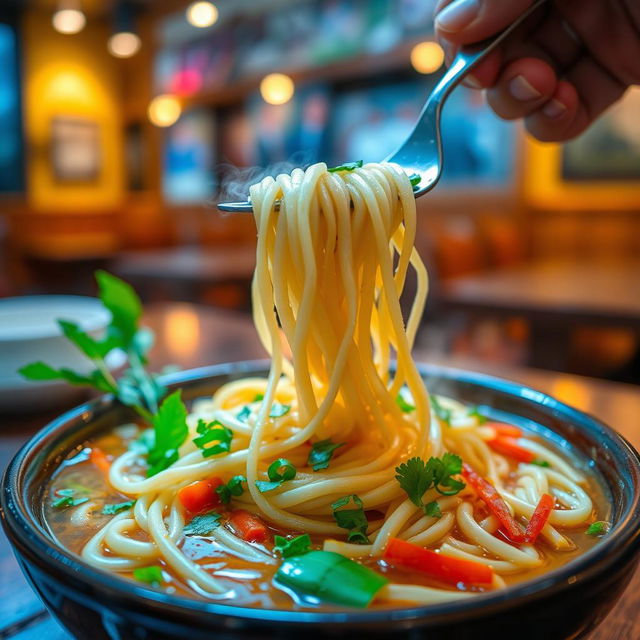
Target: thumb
{"points": [[469, 21]]}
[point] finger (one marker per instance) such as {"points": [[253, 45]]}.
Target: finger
{"points": [[561, 118], [523, 87]]}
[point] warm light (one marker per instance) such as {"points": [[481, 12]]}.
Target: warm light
{"points": [[277, 88], [202, 14], [182, 333], [427, 57], [164, 110], [68, 21], [124, 44]]}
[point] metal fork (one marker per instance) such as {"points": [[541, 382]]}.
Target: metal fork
{"points": [[421, 152]]}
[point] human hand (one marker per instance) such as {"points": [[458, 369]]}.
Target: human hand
{"points": [[559, 70]]}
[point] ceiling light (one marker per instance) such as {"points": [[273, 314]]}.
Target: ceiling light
{"points": [[164, 110], [427, 57], [68, 20], [124, 44], [202, 14], [277, 88]]}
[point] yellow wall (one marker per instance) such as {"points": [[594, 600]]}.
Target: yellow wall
{"points": [[70, 75]]}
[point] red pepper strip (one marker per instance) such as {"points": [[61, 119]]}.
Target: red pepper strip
{"points": [[99, 458], [488, 493], [248, 526], [401, 553], [540, 517], [508, 446], [503, 429]]}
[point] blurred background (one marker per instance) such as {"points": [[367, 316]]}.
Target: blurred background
{"points": [[123, 123]]}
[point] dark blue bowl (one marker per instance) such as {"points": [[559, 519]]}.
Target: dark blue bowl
{"points": [[565, 603]]}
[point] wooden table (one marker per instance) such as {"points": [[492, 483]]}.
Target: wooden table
{"points": [[191, 336], [554, 297]]}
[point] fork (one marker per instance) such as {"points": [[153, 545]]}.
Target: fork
{"points": [[421, 152]]}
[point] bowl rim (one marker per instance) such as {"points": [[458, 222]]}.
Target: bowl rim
{"points": [[624, 535]]}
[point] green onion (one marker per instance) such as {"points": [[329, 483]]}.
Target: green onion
{"points": [[297, 546], [279, 471], [405, 406], [598, 529], [347, 166], [232, 488], [112, 509], [213, 432], [151, 575], [65, 499]]}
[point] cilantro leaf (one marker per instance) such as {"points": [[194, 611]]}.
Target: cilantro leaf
{"points": [[213, 432], [112, 509], [442, 413], [232, 488], [278, 410], [123, 303], [288, 547], [41, 371], [354, 520], [433, 509], [92, 348], [541, 463], [203, 524], [151, 575], [259, 397], [321, 454], [347, 166], [598, 529], [405, 406], [415, 479], [279, 471], [170, 432], [64, 498]]}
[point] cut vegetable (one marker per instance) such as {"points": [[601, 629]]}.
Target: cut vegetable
{"points": [[540, 517], [508, 446], [249, 526], [201, 495]]}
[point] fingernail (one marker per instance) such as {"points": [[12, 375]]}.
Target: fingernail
{"points": [[522, 90], [554, 109], [470, 81], [449, 51], [458, 15]]}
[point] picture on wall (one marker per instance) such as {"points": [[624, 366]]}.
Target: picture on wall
{"points": [[75, 149]]}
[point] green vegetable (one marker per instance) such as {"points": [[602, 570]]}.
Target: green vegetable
{"points": [[244, 413], [416, 477], [65, 499], [354, 520], [321, 454], [203, 524], [433, 509], [259, 397], [540, 463], [170, 432], [405, 406], [415, 179], [347, 166], [442, 413], [278, 410], [232, 488], [151, 575], [112, 509], [599, 528], [279, 471], [297, 546], [330, 577], [213, 432], [475, 413]]}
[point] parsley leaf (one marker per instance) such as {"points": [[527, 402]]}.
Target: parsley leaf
{"points": [[203, 524], [598, 529], [64, 498], [39, 371], [292, 547], [259, 397], [279, 471], [123, 303], [170, 432], [355, 520], [232, 488], [321, 453], [405, 406], [112, 509], [540, 463], [442, 413], [151, 575], [347, 166], [213, 432], [433, 509], [475, 413]]}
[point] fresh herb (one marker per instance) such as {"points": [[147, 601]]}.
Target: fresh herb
{"points": [[540, 463], [297, 546], [278, 410], [258, 397], [64, 498], [405, 406], [354, 520], [416, 477], [279, 471], [244, 413], [151, 575], [232, 488], [213, 432], [415, 179], [347, 166], [170, 432], [203, 524], [433, 509], [442, 413], [475, 413], [599, 528], [321, 454], [112, 509]]}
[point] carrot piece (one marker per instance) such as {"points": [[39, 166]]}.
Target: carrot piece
{"points": [[99, 458], [248, 525], [509, 447], [504, 429], [401, 553], [488, 493], [200, 495], [540, 517]]}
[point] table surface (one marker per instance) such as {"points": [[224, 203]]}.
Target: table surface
{"points": [[603, 292], [191, 336]]}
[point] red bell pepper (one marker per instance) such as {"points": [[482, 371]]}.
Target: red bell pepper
{"points": [[508, 446], [540, 517], [504, 429]]}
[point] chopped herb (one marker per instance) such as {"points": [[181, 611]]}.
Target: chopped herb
{"points": [[354, 520], [321, 454], [599, 528], [112, 509], [232, 488], [540, 463], [297, 546], [442, 413], [151, 575], [279, 471], [416, 477], [213, 432], [64, 498], [415, 179], [244, 413], [170, 432], [433, 509], [405, 406], [259, 397], [278, 410], [203, 524], [475, 413], [347, 166]]}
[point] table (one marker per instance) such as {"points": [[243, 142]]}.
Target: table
{"points": [[190, 336], [553, 296]]}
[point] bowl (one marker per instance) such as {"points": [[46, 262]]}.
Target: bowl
{"points": [[565, 603]]}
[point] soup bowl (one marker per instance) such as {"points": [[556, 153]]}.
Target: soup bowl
{"points": [[567, 602]]}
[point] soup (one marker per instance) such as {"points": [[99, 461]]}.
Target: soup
{"points": [[338, 480]]}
